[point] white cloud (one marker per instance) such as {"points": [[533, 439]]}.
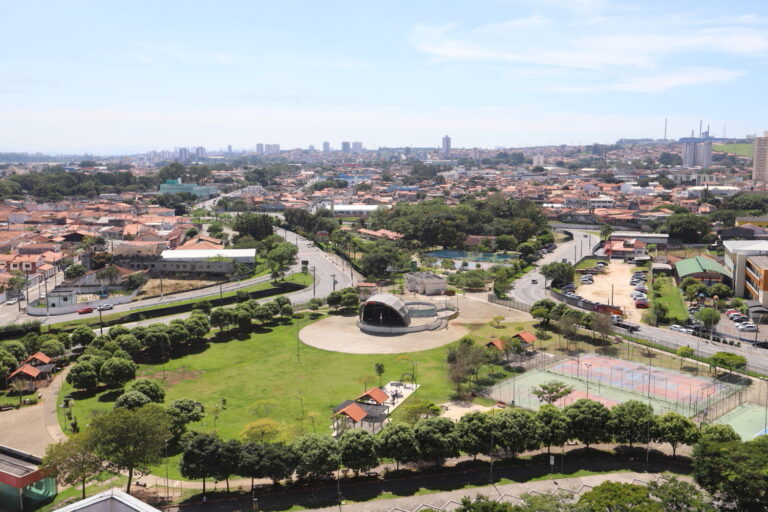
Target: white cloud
{"points": [[660, 82]]}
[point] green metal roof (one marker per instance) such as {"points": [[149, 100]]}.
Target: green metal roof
{"points": [[698, 265]]}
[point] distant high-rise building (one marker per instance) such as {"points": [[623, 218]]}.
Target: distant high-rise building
{"points": [[345, 147], [357, 147], [697, 154], [760, 159], [259, 148], [311, 148], [271, 149], [200, 152], [183, 154], [326, 147], [538, 160], [229, 148], [446, 148], [475, 154]]}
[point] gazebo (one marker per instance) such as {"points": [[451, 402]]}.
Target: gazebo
{"points": [[371, 409]]}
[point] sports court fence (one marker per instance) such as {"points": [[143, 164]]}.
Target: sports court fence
{"points": [[687, 395]]}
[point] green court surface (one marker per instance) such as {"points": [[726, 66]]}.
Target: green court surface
{"points": [[748, 420], [520, 389]]}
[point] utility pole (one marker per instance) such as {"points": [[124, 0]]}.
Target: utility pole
{"points": [[333, 276], [47, 309], [314, 281]]}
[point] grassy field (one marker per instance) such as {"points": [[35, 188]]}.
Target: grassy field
{"points": [[93, 320], [260, 374], [587, 263], [738, 149], [669, 295]]}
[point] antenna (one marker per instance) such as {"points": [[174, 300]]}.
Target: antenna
{"points": [[665, 128]]}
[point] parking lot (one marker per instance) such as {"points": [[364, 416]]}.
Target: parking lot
{"points": [[615, 281], [727, 327]]}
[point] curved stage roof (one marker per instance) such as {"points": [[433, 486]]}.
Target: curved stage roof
{"points": [[385, 309]]}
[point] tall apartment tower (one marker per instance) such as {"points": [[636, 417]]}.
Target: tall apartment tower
{"points": [[697, 154], [357, 147], [259, 148], [200, 152], [183, 154], [760, 159], [345, 147], [326, 147], [446, 148]]}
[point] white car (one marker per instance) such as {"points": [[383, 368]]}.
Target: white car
{"points": [[747, 327], [12, 301], [638, 295], [675, 327]]}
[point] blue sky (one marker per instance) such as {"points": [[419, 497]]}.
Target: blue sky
{"points": [[93, 77]]}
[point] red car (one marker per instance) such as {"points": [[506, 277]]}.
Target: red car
{"points": [[642, 304], [85, 310]]}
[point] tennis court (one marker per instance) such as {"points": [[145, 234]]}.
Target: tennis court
{"points": [[612, 381], [748, 420]]}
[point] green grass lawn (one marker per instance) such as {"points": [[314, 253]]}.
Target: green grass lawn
{"points": [[263, 366], [739, 149], [587, 263], [669, 295]]}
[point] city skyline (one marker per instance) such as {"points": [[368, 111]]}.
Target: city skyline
{"points": [[501, 74]]}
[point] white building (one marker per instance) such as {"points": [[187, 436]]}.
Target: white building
{"points": [[113, 500], [425, 283], [601, 202], [760, 159], [446, 147], [697, 154]]}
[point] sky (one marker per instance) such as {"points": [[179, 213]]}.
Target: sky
{"points": [[107, 77]]}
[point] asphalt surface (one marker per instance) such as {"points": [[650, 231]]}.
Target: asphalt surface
{"points": [[524, 290]]}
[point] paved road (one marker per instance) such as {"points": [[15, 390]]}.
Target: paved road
{"points": [[526, 291], [326, 267]]}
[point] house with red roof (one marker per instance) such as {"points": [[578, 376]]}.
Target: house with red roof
{"points": [[366, 411]]}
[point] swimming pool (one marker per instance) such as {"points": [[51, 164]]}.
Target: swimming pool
{"points": [[473, 256]]}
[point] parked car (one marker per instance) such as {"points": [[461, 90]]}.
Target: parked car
{"points": [[675, 327], [105, 307], [761, 344], [87, 309], [642, 304], [747, 327], [641, 288], [534, 281], [741, 319], [12, 301], [729, 312]]}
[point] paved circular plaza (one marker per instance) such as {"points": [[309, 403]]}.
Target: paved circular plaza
{"points": [[341, 333]]}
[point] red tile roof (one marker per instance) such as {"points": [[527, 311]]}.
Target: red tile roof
{"points": [[526, 336], [496, 343], [40, 357], [375, 394], [26, 369], [354, 411]]}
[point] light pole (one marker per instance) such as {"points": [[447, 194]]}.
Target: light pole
{"points": [[314, 281], [589, 371]]}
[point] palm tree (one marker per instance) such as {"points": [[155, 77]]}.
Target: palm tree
{"points": [[18, 386]]}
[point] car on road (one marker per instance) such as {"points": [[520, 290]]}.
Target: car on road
{"points": [[680, 328], [87, 309], [642, 304], [12, 301], [105, 307], [534, 281], [761, 344]]}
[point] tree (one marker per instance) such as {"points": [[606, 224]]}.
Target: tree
{"points": [[116, 371], [515, 430], [379, 369], [552, 426], [350, 300], [552, 391], [83, 376], [73, 461], [728, 360], [560, 273], [588, 421], [182, 412], [8, 363], [689, 228], [358, 450], [227, 460], [719, 433], [282, 255], [262, 430], [733, 472], [506, 242], [679, 496], [74, 271], [618, 497], [279, 461], [601, 324], [684, 353], [436, 438], [474, 433], [132, 400], [109, 275], [200, 453], [256, 226], [135, 281], [53, 348], [676, 430], [709, 317], [605, 231], [317, 456], [16, 349], [243, 319], [131, 441], [178, 333], [82, 336], [150, 388], [315, 305], [397, 441], [251, 460], [722, 291], [286, 310], [632, 422]]}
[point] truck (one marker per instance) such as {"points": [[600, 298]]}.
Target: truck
{"points": [[618, 321]]}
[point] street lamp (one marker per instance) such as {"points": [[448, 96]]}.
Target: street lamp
{"points": [[589, 371]]}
